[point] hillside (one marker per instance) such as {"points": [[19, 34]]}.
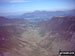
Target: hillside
{"points": [[5, 21], [59, 23], [59, 33]]}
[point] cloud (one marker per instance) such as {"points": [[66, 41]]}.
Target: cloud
{"points": [[14, 1], [18, 1]]}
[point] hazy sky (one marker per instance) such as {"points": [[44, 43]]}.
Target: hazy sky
{"points": [[21, 6]]}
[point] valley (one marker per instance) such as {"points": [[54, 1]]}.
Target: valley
{"points": [[43, 38]]}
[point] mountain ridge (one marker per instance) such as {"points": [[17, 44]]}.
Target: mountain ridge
{"points": [[44, 14]]}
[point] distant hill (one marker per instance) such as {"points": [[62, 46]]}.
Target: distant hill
{"points": [[39, 15]]}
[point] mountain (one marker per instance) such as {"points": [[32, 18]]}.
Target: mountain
{"points": [[58, 33], [4, 21], [44, 38], [39, 15], [59, 23]]}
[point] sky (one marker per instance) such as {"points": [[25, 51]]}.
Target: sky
{"points": [[22, 6]]}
